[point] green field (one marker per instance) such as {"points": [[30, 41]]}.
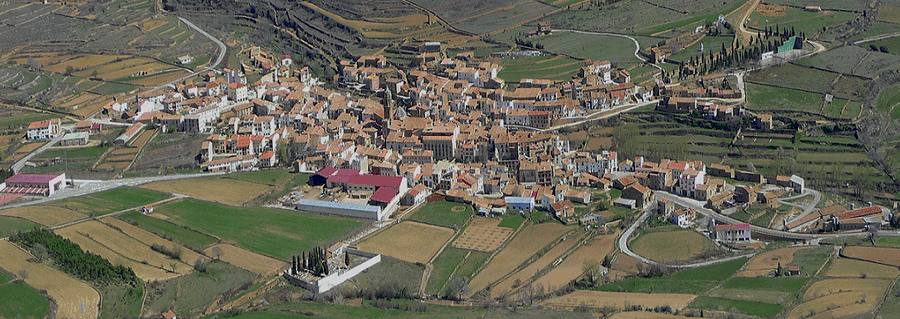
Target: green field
{"points": [[278, 233], [710, 43], [784, 284], [671, 246], [190, 294], [14, 119], [19, 300], [119, 301], [590, 46], [512, 221], [542, 67], [888, 101], [444, 265], [180, 234], [692, 281], [800, 20], [442, 214], [10, 225], [753, 308], [110, 201]]}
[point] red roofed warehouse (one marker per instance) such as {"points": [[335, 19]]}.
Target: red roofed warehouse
{"points": [[34, 184]]}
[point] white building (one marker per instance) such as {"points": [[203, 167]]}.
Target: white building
{"points": [[43, 130]]}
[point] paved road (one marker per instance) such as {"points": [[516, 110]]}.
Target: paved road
{"points": [[623, 246], [18, 165], [808, 208], [637, 45], [222, 50]]}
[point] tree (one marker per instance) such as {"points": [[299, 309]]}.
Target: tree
{"points": [[216, 253], [200, 265], [456, 288], [591, 272]]}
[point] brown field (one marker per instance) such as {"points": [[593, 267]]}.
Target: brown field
{"points": [[148, 238], [531, 270], [124, 68], [840, 298], [250, 261], [73, 100], [161, 78], [73, 298], [43, 214], [408, 241], [645, 315], [765, 264], [83, 62], [886, 256], [626, 264], [843, 267], [618, 300], [483, 234], [24, 150], [153, 24], [573, 266], [121, 249], [529, 241], [216, 189]]}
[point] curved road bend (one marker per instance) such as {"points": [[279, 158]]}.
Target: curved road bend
{"points": [[219, 58]]}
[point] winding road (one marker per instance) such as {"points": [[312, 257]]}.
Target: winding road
{"points": [[222, 50], [637, 45]]}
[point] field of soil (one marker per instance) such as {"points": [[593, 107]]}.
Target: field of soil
{"points": [[886, 256], [765, 264], [216, 189], [851, 268], [44, 214], [532, 269], [618, 300], [841, 298], [573, 266], [483, 234], [408, 241], [247, 260]]}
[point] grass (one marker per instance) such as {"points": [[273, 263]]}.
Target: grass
{"points": [[119, 301], [512, 221], [442, 214], [542, 67], [590, 46], [274, 232], [888, 101], [812, 259], [692, 281], [471, 265], [10, 225], [800, 20], [17, 119], [19, 300], [767, 97], [753, 308], [177, 233], [781, 284], [190, 294], [113, 200], [444, 265], [391, 273], [671, 246]]}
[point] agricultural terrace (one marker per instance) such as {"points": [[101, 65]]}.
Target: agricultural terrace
{"points": [[851, 268], [841, 298], [191, 295], [589, 46], [765, 264], [96, 204], [253, 262], [640, 17], [73, 298], [533, 269], [885, 256], [528, 242], [690, 281], [454, 263], [889, 101], [491, 16], [19, 300], [808, 79], [573, 266], [443, 213], [618, 300], [853, 60], [277, 233], [234, 189], [76, 162], [120, 158], [184, 254], [408, 241], [669, 245]]}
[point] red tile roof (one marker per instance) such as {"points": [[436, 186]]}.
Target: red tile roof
{"points": [[731, 227], [860, 212], [384, 194], [31, 178]]}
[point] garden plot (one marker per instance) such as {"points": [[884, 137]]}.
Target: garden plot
{"points": [[408, 241], [44, 214], [483, 234], [187, 255], [851, 268], [524, 275]]}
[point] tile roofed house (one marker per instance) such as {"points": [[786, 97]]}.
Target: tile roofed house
{"points": [[733, 232]]}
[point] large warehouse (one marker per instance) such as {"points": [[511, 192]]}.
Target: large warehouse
{"points": [[34, 184]]}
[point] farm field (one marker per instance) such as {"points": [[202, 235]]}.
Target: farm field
{"points": [[232, 189], [10, 225], [454, 263], [492, 15], [891, 304], [671, 246], [709, 43], [544, 67], [841, 298], [120, 249], [753, 308], [110, 201], [253, 262], [690, 281], [188, 256], [639, 17], [168, 152], [76, 162], [886, 256], [277, 233], [527, 242], [590, 46], [854, 60], [73, 298], [618, 300], [19, 300], [13, 118], [573, 266], [191, 295], [408, 241], [766, 263], [180, 234], [44, 214], [851, 268], [443, 213], [645, 315], [792, 76], [801, 20], [522, 276], [483, 234], [888, 101]]}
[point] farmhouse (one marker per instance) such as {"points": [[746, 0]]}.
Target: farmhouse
{"points": [[735, 232], [358, 195], [43, 130], [129, 134], [34, 184]]}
